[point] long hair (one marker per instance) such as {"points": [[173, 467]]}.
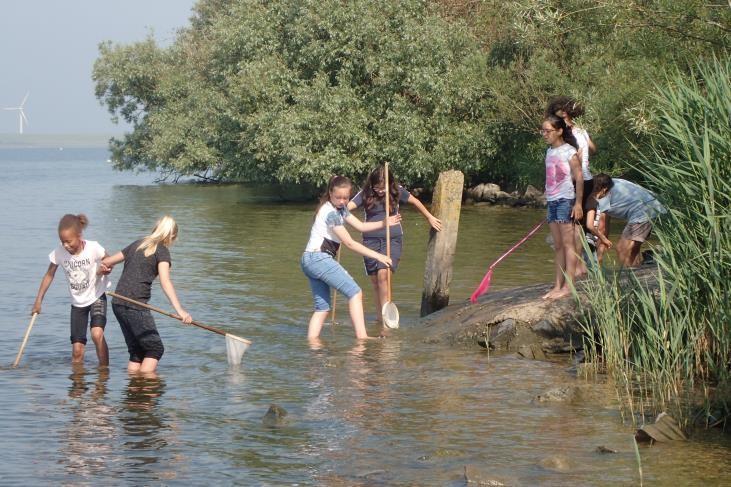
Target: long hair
{"points": [[377, 177], [335, 182], [602, 181], [571, 107], [77, 222], [165, 231], [566, 134]]}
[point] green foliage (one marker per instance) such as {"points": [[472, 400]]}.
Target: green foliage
{"points": [[295, 91], [676, 339]]}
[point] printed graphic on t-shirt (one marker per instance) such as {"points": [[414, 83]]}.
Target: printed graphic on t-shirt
{"points": [[78, 273], [555, 173]]}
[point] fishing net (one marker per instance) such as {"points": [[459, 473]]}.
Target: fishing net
{"points": [[390, 315], [235, 348]]}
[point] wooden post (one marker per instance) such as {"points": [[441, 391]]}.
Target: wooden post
{"points": [[446, 205]]}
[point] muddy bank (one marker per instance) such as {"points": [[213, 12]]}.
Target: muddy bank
{"points": [[515, 320]]}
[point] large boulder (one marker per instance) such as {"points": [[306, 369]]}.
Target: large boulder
{"points": [[484, 192], [533, 197]]}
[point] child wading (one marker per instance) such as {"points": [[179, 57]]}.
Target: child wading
{"points": [[318, 260], [372, 199], [144, 260], [81, 262], [564, 202]]}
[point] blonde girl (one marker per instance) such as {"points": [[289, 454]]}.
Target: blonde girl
{"points": [[144, 260], [80, 260], [319, 263]]}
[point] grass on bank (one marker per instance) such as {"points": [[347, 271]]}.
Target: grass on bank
{"points": [[668, 347]]}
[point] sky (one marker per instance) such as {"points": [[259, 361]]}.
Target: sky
{"points": [[48, 48]]}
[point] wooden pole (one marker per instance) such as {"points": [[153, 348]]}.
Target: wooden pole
{"points": [[446, 205]]}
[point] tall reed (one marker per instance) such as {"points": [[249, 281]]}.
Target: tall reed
{"points": [[668, 345]]}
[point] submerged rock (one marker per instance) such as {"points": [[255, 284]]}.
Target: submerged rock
{"points": [[556, 463], [557, 394], [275, 416], [604, 449], [473, 476]]}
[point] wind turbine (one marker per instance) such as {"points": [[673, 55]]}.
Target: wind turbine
{"points": [[21, 114]]}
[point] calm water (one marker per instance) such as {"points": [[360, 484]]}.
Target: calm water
{"points": [[390, 412]]}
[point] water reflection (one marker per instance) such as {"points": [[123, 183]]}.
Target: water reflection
{"points": [[90, 433]]}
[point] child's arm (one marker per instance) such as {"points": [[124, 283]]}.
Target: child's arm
{"points": [[45, 283], [163, 269], [578, 210], [351, 206], [591, 214], [104, 269], [363, 227], [592, 146], [348, 241], [435, 222], [112, 260]]}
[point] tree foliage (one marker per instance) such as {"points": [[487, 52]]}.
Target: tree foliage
{"points": [[293, 91]]}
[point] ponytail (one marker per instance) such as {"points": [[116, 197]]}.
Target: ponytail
{"points": [[566, 134], [77, 222], [165, 231]]}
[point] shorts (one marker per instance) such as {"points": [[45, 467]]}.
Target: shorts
{"points": [[93, 315], [559, 211], [140, 334], [324, 273], [378, 244], [637, 232]]}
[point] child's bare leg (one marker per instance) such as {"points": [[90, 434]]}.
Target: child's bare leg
{"points": [[579, 246], [559, 258], [316, 322], [77, 353], [149, 364], [133, 367], [603, 229], [570, 258], [629, 252], [102, 350], [382, 294], [377, 296], [355, 306]]}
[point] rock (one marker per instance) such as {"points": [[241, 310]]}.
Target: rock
{"points": [[557, 463], [531, 351], [557, 394], [484, 192], [545, 328], [604, 449], [533, 197], [503, 333], [275, 416]]}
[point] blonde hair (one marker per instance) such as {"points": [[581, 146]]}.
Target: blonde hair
{"points": [[165, 231], [77, 222]]}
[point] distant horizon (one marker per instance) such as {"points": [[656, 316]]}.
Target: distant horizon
{"points": [[59, 140]]}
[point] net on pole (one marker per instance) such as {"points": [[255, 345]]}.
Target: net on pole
{"points": [[235, 348]]}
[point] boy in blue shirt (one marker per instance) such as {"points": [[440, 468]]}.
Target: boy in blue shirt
{"points": [[626, 200]]}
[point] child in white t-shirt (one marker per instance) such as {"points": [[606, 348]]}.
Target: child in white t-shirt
{"points": [[81, 262]]}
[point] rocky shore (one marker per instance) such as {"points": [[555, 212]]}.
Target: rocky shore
{"points": [[490, 193], [515, 320]]}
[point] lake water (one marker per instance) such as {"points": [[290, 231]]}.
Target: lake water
{"points": [[387, 412]]}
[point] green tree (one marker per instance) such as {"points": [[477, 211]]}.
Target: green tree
{"points": [[295, 91]]}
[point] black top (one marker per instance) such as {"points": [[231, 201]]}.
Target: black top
{"points": [[139, 272]]}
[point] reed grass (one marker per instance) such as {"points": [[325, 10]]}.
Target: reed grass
{"points": [[667, 343]]}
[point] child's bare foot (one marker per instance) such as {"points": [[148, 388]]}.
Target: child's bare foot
{"points": [[561, 293], [549, 294]]}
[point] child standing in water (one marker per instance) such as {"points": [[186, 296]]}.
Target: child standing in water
{"points": [[372, 199], [318, 261], [144, 260], [80, 260], [564, 202]]}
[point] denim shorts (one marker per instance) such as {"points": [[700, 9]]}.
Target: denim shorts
{"points": [[93, 315], [559, 211], [324, 273]]}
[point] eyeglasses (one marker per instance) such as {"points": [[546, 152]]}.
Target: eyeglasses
{"points": [[545, 131]]}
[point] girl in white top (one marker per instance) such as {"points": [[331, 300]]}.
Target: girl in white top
{"points": [[81, 262], [319, 263], [564, 202]]}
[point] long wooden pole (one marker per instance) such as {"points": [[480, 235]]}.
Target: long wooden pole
{"points": [[388, 230], [177, 317], [25, 340]]}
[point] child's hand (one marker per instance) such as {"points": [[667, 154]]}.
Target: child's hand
{"points": [[185, 317], [386, 260], [435, 223], [607, 242], [104, 269], [394, 219], [578, 212]]}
